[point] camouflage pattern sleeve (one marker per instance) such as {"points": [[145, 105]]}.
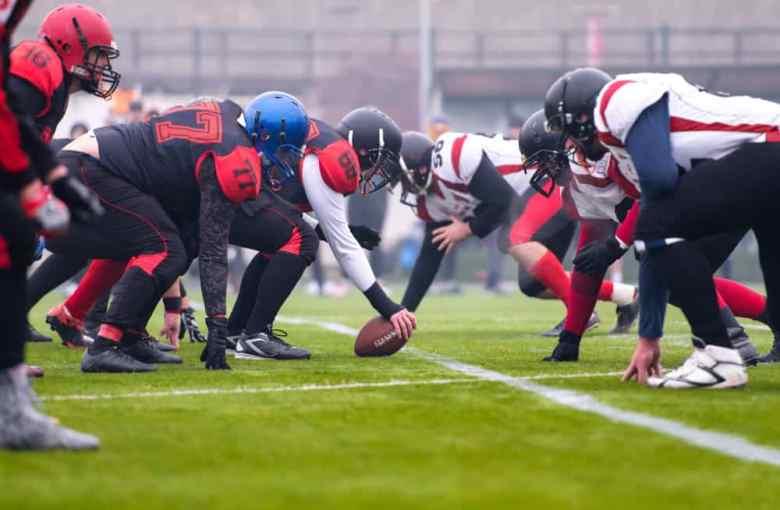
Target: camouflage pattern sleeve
{"points": [[216, 215]]}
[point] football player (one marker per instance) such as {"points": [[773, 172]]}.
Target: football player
{"points": [[26, 162], [607, 214], [705, 165], [171, 187], [467, 184], [361, 153]]}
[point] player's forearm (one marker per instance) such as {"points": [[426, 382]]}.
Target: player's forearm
{"points": [[425, 268], [652, 299], [495, 196], [625, 231]]}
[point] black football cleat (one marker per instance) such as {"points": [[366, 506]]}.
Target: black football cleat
{"points": [[143, 350], [35, 335], [556, 330], [741, 342], [774, 355], [626, 317], [267, 345], [231, 341], [112, 360], [67, 327], [160, 346], [564, 351]]}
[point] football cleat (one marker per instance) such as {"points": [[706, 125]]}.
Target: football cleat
{"points": [[112, 360], [267, 345], [626, 316], [142, 349], [741, 342], [22, 427], [67, 327], [231, 341], [564, 351], [774, 355], [160, 346], [35, 335], [556, 330], [712, 367]]}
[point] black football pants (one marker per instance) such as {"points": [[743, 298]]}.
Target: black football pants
{"points": [[732, 194]]}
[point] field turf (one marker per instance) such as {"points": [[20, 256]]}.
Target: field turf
{"points": [[400, 432]]}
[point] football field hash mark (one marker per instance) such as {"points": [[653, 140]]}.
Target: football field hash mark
{"points": [[727, 444]]}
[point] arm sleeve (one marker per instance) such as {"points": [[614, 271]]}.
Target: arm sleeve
{"points": [[494, 192], [653, 298], [650, 147], [625, 231], [216, 215], [425, 268], [331, 210]]}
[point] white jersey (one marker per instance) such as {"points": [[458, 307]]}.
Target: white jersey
{"points": [[703, 125], [454, 161], [591, 191]]}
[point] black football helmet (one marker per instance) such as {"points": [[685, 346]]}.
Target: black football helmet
{"points": [[544, 153], [376, 139], [415, 175], [570, 101]]}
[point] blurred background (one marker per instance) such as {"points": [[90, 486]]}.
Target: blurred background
{"points": [[433, 65]]}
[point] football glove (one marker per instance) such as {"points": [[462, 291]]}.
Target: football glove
{"points": [[596, 257], [213, 354], [83, 204], [189, 326]]}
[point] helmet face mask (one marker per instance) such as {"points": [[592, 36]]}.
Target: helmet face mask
{"points": [[379, 167], [96, 73], [551, 168], [414, 182]]}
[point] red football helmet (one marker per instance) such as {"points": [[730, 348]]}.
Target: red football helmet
{"points": [[82, 38]]}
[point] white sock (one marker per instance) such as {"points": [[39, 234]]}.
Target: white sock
{"points": [[623, 294]]}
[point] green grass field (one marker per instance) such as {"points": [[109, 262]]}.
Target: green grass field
{"points": [[400, 432]]}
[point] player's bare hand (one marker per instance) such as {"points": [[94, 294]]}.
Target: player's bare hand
{"points": [[171, 328], [445, 238], [404, 322], [646, 361]]}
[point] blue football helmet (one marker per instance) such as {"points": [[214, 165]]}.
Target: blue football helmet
{"points": [[278, 125]]}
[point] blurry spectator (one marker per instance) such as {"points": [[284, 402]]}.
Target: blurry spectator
{"points": [[439, 125], [78, 129], [135, 112]]}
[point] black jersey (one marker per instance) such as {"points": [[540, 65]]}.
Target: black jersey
{"points": [[163, 156]]}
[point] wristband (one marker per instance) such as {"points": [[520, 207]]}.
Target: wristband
{"points": [[172, 304]]}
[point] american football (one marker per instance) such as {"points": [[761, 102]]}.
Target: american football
{"points": [[378, 338], [570, 206]]}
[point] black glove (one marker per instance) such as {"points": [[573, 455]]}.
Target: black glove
{"points": [[214, 352], [84, 205], [189, 326], [596, 257], [367, 237]]}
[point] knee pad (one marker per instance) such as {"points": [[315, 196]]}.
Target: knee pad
{"points": [[529, 285]]}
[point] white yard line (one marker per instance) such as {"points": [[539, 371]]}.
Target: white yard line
{"points": [[727, 444], [266, 389]]}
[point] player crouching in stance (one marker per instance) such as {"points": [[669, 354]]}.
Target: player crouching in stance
{"points": [[705, 165], [362, 152], [608, 212], [182, 172], [467, 184]]}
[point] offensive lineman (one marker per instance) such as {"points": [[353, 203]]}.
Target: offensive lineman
{"points": [[607, 211], [466, 184], [705, 165]]}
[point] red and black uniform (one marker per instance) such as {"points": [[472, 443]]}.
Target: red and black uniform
{"points": [[160, 181], [22, 158]]}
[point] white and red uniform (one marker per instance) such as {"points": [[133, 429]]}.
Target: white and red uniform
{"points": [[703, 125], [454, 161]]}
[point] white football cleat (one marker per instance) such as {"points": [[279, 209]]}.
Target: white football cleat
{"points": [[713, 367]]}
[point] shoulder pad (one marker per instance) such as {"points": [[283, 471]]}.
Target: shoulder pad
{"points": [[238, 174], [37, 63], [620, 103], [339, 166]]}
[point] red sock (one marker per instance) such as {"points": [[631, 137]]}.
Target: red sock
{"points": [[99, 278], [582, 300], [605, 292], [549, 271], [743, 301]]}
